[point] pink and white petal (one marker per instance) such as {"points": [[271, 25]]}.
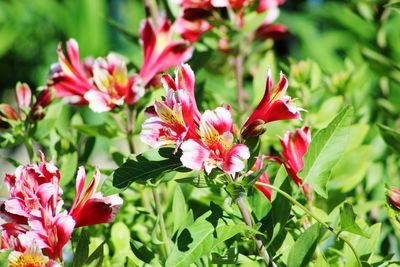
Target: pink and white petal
{"points": [[16, 206], [235, 159], [194, 155], [220, 118], [151, 131], [98, 101], [23, 95]]}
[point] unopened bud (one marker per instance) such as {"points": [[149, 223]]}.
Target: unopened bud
{"points": [[255, 128], [393, 195]]}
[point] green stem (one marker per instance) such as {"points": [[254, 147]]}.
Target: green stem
{"points": [[29, 148], [151, 7], [248, 220], [163, 229], [327, 226]]}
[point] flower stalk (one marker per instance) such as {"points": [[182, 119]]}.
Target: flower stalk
{"points": [[327, 226], [248, 220]]}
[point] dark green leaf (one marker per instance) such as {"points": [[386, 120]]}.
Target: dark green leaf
{"points": [[141, 251], [82, 250], [154, 164], [348, 223], [391, 137], [325, 150], [302, 251], [97, 255]]}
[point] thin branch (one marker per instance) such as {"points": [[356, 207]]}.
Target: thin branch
{"points": [[248, 220], [327, 226]]}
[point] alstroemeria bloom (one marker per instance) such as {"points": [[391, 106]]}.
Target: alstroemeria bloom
{"points": [[216, 147], [175, 118], [263, 178], [33, 211], [191, 30], [160, 51], [91, 207], [295, 145], [32, 187], [275, 105], [31, 257], [102, 83]]}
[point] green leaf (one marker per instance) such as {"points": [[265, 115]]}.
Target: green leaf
{"points": [[193, 242], [303, 249], [252, 21], [141, 251], [348, 223], [82, 250], [97, 255], [153, 164], [202, 236], [344, 176], [325, 150], [179, 208], [69, 164], [105, 129], [391, 137]]}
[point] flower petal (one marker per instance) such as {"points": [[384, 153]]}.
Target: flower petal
{"points": [[194, 155]]}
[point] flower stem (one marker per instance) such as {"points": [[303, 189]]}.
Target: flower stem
{"points": [[247, 218], [29, 148], [238, 65], [327, 226], [164, 235]]}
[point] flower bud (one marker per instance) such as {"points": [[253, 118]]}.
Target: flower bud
{"points": [[23, 95], [7, 113], [255, 128], [393, 195], [43, 100]]}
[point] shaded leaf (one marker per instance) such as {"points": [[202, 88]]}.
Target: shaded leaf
{"points": [[153, 164], [303, 249], [348, 223], [391, 137]]}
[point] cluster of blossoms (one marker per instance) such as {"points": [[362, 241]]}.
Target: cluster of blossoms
{"points": [[104, 83], [198, 16], [27, 108], [210, 139], [34, 222]]}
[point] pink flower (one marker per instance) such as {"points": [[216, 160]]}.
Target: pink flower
{"points": [[191, 30], [51, 232], [90, 207], [23, 95], [263, 178], [205, 4], [102, 83], [32, 187], [160, 51], [295, 145], [216, 147], [33, 211], [275, 105], [174, 119], [70, 77]]}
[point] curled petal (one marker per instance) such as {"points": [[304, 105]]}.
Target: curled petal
{"points": [[235, 159], [194, 155], [98, 210]]}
